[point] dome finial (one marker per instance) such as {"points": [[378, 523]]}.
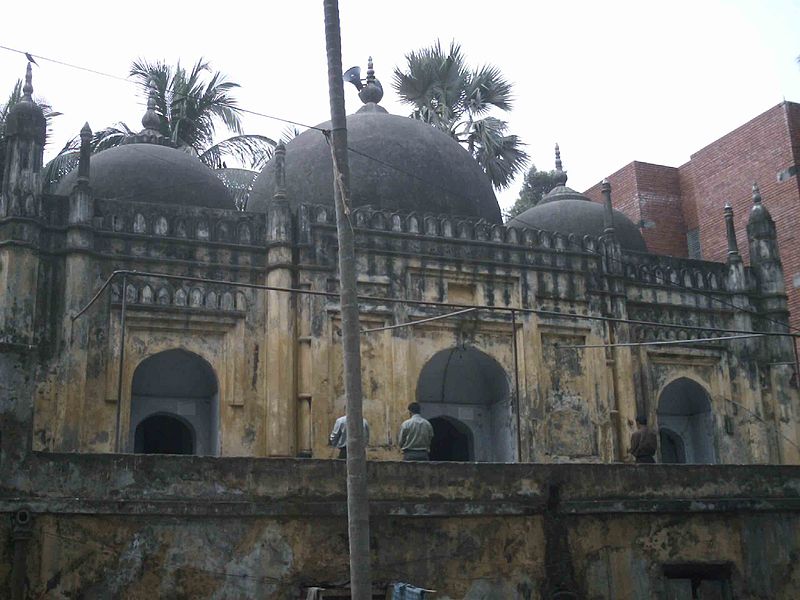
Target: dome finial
{"points": [[27, 89], [151, 120], [756, 194], [561, 175], [372, 90]]}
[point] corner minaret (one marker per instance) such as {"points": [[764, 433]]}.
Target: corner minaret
{"points": [[765, 260], [25, 136], [777, 357]]}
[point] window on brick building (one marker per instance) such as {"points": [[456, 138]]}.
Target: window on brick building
{"points": [[693, 243]]}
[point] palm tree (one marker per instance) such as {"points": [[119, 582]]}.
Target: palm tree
{"points": [[449, 95], [191, 104]]}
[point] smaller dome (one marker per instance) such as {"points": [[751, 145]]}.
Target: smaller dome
{"points": [[566, 211], [581, 217], [141, 172]]}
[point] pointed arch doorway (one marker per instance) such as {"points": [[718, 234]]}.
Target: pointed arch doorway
{"points": [[174, 405], [464, 392], [686, 423]]}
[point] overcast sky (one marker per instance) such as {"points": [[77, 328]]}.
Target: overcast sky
{"points": [[610, 81]]}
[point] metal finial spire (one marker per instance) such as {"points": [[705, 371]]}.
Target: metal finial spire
{"points": [[370, 71], [561, 175], [372, 90], [756, 194], [150, 120], [27, 89]]}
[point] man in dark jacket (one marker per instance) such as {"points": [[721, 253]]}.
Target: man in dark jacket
{"points": [[644, 442]]}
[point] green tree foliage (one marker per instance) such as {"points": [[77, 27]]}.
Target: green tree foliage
{"points": [[446, 93], [534, 187], [191, 105]]}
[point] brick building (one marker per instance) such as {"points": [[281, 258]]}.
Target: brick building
{"points": [[680, 209]]}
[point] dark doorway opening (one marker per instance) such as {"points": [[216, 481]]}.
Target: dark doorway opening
{"points": [[163, 434], [451, 441], [672, 449]]}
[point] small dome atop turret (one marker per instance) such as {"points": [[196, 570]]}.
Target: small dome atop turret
{"points": [[26, 118]]}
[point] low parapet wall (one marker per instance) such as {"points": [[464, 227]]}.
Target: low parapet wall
{"points": [[125, 526]]}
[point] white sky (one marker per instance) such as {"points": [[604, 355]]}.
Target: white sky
{"points": [[611, 81]]}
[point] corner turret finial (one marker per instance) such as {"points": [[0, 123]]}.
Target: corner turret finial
{"points": [[561, 175], [280, 172], [730, 232], [85, 155], [756, 194], [27, 89], [151, 120]]}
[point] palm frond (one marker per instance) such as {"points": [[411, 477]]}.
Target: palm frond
{"points": [[501, 156], [488, 88], [239, 183], [251, 150]]}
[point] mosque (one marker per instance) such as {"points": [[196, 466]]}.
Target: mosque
{"points": [[142, 315]]}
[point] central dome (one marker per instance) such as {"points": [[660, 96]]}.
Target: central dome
{"points": [[396, 164]]}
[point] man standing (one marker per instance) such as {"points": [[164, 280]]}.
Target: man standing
{"points": [[415, 436], [643, 442], [338, 437]]}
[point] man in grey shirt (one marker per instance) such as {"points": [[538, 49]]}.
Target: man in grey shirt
{"points": [[415, 436], [338, 437]]}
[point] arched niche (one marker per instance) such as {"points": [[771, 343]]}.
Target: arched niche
{"points": [[469, 391], [686, 423], [173, 392], [452, 440], [162, 433]]}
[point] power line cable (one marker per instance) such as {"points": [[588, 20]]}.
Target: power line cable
{"points": [[139, 85]]}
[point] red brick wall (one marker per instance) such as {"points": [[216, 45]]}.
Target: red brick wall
{"points": [[693, 195], [725, 170], [650, 193]]}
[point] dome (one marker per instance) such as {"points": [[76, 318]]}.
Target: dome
{"points": [[396, 163], [581, 217], [566, 211], [141, 172]]}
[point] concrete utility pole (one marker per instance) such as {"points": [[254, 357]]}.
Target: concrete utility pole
{"points": [[357, 499]]}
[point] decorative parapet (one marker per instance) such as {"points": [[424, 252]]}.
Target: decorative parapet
{"points": [[156, 220], [447, 227], [670, 271], [149, 292]]}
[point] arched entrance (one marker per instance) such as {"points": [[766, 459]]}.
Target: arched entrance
{"points": [[174, 405], [163, 434], [685, 423], [466, 390], [452, 440]]}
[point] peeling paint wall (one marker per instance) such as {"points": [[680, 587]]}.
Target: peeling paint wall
{"points": [[186, 527]]}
